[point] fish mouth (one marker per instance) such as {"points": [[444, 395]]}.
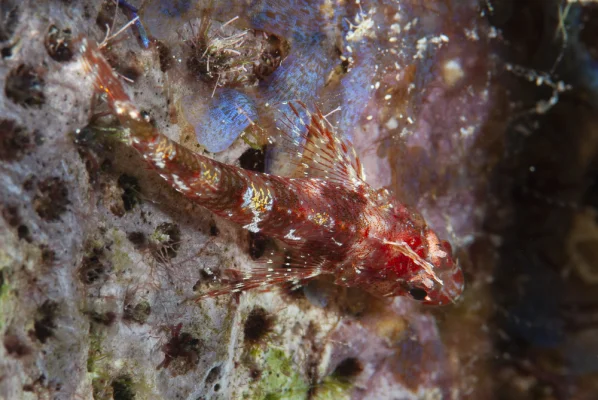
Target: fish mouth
{"points": [[451, 290]]}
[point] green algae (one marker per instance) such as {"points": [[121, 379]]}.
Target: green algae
{"points": [[95, 350], [7, 300], [333, 388], [4, 294], [139, 312], [280, 379], [121, 260]]}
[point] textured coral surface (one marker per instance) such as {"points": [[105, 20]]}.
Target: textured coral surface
{"points": [[479, 115]]}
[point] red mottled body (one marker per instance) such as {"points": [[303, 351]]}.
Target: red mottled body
{"points": [[331, 220]]}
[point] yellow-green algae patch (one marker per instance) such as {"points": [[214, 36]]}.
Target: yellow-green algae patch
{"points": [[5, 304], [280, 379], [121, 260], [14, 254], [333, 388]]}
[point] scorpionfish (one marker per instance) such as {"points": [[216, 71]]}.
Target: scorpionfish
{"points": [[327, 216]]}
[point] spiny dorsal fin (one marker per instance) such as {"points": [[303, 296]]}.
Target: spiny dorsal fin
{"points": [[323, 153]]}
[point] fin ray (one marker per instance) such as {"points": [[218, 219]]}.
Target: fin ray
{"points": [[325, 154], [261, 277]]}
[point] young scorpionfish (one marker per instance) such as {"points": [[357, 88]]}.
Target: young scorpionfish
{"points": [[327, 216]]}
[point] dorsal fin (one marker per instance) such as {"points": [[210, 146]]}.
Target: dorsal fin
{"points": [[318, 151]]}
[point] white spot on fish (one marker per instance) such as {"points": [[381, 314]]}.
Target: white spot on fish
{"points": [[252, 227], [291, 235], [336, 242], [180, 184], [247, 196]]}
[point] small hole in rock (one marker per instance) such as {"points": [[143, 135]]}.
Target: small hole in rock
{"points": [[105, 16], [348, 368], [138, 313], [6, 52], [257, 245], [166, 241], [45, 324], [138, 239], [165, 56], [59, 44], [255, 373], [14, 141], [105, 319], [24, 233], [51, 199], [131, 190], [131, 73], [15, 347], [122, 388], [253, 160], [213, 375], [205, 275], [9, 18], [25, 87], [11, 216], [48, 255], [275, 51], [94, 268]]}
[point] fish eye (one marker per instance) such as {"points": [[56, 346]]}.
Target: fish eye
{"points": [[418, 293]]}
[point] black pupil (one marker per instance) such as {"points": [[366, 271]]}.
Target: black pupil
{"points": [[418, 293]]}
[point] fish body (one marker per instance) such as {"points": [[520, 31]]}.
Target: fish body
{"points": [[328, 217]]}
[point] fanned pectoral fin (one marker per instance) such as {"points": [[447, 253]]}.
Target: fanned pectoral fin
{"points": [[264, 278]]}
